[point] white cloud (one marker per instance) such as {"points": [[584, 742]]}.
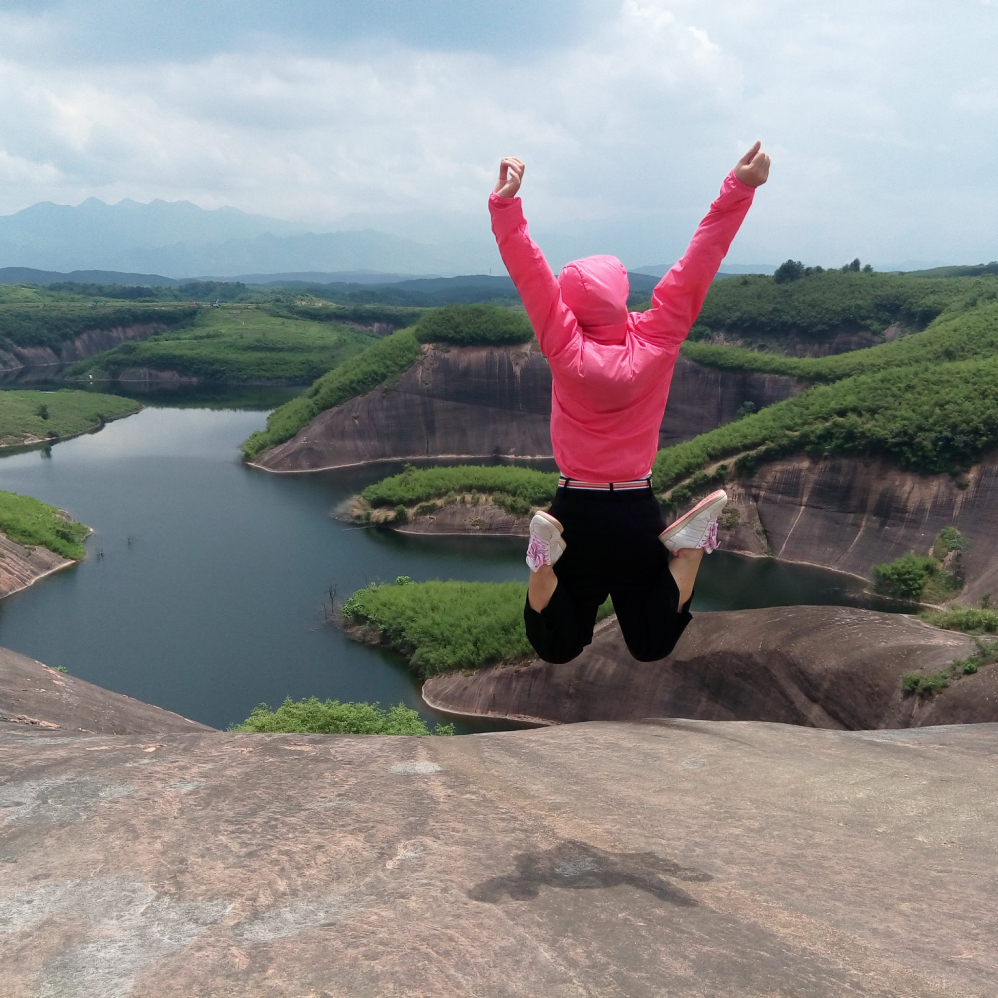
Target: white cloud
{"points": [[627, 131]]}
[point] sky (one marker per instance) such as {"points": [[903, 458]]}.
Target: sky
{"points": [[880, 117]]}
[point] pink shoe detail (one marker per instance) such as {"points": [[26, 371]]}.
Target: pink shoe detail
{"points": [[538, 553]]}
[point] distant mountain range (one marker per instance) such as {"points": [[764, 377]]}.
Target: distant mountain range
{"points": [[180, 240], [29, 275]]}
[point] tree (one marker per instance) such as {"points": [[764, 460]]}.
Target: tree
{"points": [[854, 266], [789, 270]]}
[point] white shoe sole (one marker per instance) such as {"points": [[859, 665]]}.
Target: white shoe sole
{"points": [[709, 507]]}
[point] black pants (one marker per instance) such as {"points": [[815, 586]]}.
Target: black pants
{"points": [[611, 549]]}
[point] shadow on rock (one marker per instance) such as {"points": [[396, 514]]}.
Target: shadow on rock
{"points": [[578, 866]]}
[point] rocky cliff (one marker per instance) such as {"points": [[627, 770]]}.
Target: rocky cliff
{"points": [[34, 697], [21, 565], [28, 360], [825, 667], [849, 514], [486, 402]]}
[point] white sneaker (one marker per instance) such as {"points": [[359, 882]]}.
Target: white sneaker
{"points": [[698, 527], [546, 545]]}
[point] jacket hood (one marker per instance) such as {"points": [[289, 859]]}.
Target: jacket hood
{"points": [[595, 288]]}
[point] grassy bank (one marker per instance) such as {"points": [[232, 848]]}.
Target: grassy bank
{"points": [[28, 417], [415, 485], [817, 307], [312, 716], [234, 343], [36, 524], [442, 626], [386, 360]]}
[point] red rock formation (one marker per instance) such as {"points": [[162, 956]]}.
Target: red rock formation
{"points": [[819, 666], [21, 566], [88, 343], [849, 514], [483, 402]]}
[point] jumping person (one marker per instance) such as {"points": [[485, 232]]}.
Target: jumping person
{"points": [[611, 371]]}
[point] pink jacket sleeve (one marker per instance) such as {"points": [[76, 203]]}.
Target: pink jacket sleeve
{"points": [[678, 297], [554, 324]]}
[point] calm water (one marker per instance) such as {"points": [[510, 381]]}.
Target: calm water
{"points": [[206, 583]]}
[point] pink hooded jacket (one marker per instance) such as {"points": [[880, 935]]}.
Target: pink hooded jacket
{"points": [[611, 369]]}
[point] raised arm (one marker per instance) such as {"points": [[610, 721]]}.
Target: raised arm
{"points": [[678, 297], [553, 323]]}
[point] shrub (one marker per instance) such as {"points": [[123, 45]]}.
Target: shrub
{"points": [[422, 485], [925, 684], [905, 577], [964, 618], [312, 716], [474, 325]]}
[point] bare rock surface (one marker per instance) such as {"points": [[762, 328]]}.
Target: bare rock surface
{"points": [[88, 343], [454, 402], [485, 402], [618, 860], [22, 565], [34, 697], [820, 666], [849, 514], [702, 398]]}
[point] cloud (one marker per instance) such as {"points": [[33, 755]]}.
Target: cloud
{"points": [[628, 115]]}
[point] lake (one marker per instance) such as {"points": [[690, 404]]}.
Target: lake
{"points": [[207, 584]]}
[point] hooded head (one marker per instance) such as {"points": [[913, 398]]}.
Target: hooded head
{"points": [[596, 289]]}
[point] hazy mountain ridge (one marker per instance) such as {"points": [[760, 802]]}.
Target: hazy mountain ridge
{"points": [[179, 239]]}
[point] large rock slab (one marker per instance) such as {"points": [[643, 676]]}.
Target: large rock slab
{"points": [[22, 565], [33, 696], [628, 859], [821, 666]]}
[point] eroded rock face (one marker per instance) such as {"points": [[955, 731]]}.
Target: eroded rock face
{"points": [[825, 667], [35, 698], [849, 514], [615, 860], [485, 402], [88, 343], [20, 566]]}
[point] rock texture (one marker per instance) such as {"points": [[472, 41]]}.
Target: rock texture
{"points": [[702, 398], [20, 566], [91, 342], [35, 697], [849, 514], [820, 666], [619, 860], [487, 402]]}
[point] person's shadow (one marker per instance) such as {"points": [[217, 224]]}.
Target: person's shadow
{"points": [[578, 866]]}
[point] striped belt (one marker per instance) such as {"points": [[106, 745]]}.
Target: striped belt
{"points": [[634, 483]]}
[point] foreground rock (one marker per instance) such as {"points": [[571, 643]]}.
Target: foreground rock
{"points": [[35, 697], [821, 666], [486, 402], [619, 860]]}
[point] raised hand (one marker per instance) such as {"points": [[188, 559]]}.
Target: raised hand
{"points": [[753, 167], [510, 177]]}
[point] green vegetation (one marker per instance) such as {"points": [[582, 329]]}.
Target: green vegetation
{"points": [[968, 619], [32, 523], [312, 716], [931, 578], [30, 417], [385, 361], [50, 322], [442, 626], [234, 343], [415, 485], [928, 400], [817, 306], [474, 325], [925, 684]]}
